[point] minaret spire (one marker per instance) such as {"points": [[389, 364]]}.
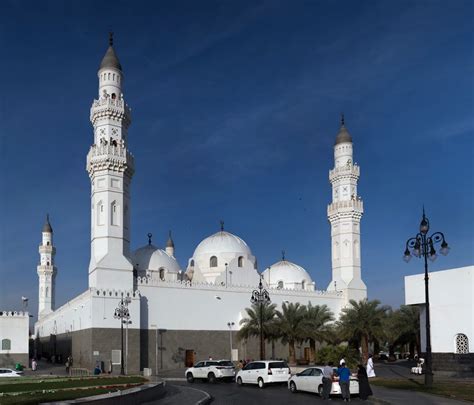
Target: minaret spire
{"points": [[111, 38], [342, 119], [170, 245]]}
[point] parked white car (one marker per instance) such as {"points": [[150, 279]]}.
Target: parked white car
{"points": [[211, 370], [8, 372], [311, 380], [264, 372]]}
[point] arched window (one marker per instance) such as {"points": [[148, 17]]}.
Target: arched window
{"points": [[47, 263], [303, 284], [192, 263], [462, 343], [6, 344], [162, 274], [213, 261], [114, 96], [100, 213], [280, 285], [240, 261], [47, 243], [47, 291], [114, 213]]}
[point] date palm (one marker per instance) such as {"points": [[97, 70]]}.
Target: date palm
{"points": [[290, 321], [316, 326], [250, 326], [362, 322]]}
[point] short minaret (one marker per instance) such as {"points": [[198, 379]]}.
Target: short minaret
{"points": [[170, 245], [111, 167], [46, 272], [344, 214]]}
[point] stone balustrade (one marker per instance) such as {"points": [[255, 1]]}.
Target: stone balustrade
{"points": [[345, 171], [109, 107], [345, 206]]}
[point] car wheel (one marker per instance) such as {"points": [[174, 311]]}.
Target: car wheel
{"points": [[189, 378], [320, 390], [293, 387], [239, 381], [211, 377], [260, 383]]}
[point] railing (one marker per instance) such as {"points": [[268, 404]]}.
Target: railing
{"points": [[108, 105], [114, 150], [110, 102], [14, 313], [348, 170], [356, 205]]}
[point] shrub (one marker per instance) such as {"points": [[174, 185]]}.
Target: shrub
{"points": [[336, 353]]}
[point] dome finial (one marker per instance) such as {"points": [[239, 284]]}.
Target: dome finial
{"points": [[222, 225], [111, 38], [342, 119], [170, 242], [47, 226], [149, 238], [283, 255]]}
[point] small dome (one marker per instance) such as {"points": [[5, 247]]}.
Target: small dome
{"points": [[150, 257], [110, 60], [222, 242], [285, 274], [47, 225]]}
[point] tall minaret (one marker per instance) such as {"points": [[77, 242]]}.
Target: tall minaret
{"points": [[344, 214], [110, 166], [46, 272]]}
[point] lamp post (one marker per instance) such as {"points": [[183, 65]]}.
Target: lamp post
{"points": [[122, 313], [419, 246], [230, 324], [261, 297], [126, 346]]}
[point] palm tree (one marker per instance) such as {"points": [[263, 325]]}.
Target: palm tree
{"points": [[251, 325], [291, 326], [316, 328], [408, 322], [362, 322]]}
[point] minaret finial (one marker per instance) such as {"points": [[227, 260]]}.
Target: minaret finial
{"points": [[222, 225], [283, 255], [149, 238], [169, 233], [342, 119], [111, 38]]}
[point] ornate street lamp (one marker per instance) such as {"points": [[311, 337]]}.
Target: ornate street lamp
{"points": [[419, 246], [122, 313], [230, 325], [261, 297]]}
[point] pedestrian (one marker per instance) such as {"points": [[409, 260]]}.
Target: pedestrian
{"points": [[370, 367], [364, 387], [344, 380], [240, 365], [67, 366], [110, 367], [210, 357], [328, 373], [34, 364]]}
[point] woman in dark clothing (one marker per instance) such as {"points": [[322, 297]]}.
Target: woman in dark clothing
{"points": [[364, 387]]}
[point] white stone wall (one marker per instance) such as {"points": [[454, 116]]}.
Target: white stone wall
{"points": [[451, 306], [15, 327]]}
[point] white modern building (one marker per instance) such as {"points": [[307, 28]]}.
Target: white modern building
{"points": [[451, 317], [14, 338], [177, 313]]}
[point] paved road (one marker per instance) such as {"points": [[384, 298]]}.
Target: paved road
{"points": [[231, 394]]}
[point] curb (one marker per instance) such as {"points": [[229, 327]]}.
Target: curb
{"points": [[207, 397]]}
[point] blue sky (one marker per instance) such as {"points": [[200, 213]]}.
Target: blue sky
{"points": [[235, 109]]}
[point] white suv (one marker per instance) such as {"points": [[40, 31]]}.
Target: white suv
{"points": [[264, 372], [211, 370]]}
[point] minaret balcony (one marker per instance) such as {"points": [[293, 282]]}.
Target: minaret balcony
{"points": [[113, 157], [348, 171], [47, 249], [346, 207], [44, 269], [107, 107]]}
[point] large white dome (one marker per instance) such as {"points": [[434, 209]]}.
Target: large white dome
{"points": [[285, 274], [151, 258], [222, 242]]}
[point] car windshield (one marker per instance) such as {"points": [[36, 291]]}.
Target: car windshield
{"points": [[226, 363], [277, 364]]}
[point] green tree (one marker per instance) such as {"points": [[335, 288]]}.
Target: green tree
{"points": [[290, 321], [362, 322], [316, 327], [250, 326], [408, 323]]}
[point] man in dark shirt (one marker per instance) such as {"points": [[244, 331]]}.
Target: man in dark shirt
{"points": [[327, 380], [344, 379]]}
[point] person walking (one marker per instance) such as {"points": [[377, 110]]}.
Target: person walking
{"points": [[364, 387], [370, 367], [344, 379], [327, 379], [34, 365]]}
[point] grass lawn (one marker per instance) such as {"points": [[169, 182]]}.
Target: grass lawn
{"points": [[458, 389], [35, 398], [50, 384]]}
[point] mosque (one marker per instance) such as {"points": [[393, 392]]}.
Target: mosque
{"points": [[177, 314]]}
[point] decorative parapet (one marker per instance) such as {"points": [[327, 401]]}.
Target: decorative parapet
{"points": [[47, 249], [351, 170], [350, 208], [46, 268], [111, 157], [14, 313], [112, 293], [151, 282], [107, 107]]}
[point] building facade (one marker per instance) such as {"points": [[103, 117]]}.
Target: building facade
{"points": [[14, 338], [177, 315]]}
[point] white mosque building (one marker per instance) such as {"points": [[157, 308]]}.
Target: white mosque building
{"points": [[177, 314]]}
